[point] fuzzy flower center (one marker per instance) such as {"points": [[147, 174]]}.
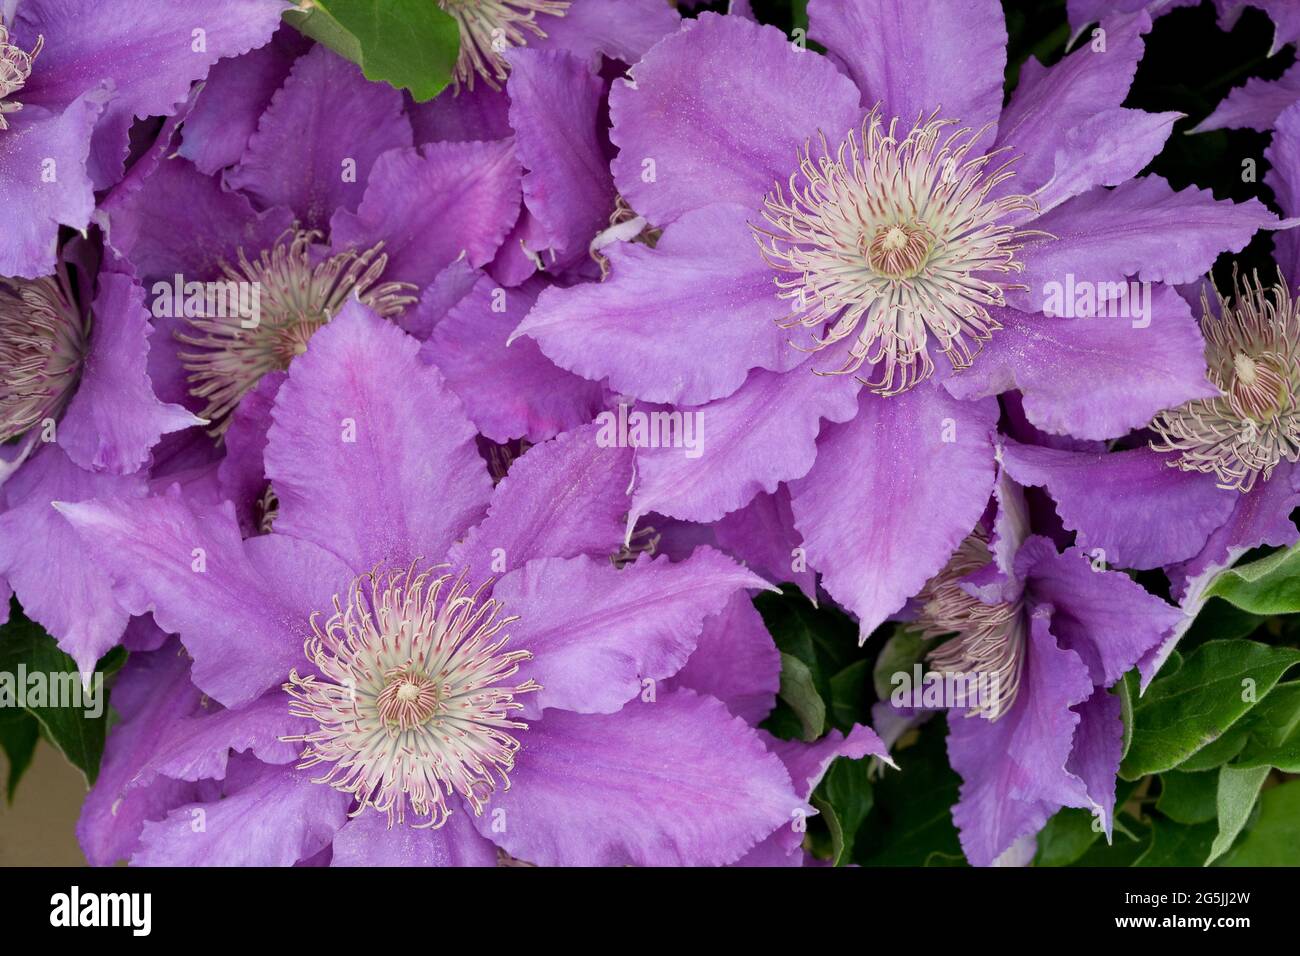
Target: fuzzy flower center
{"points": [[893, 242], [43, 341], [1252, 350], [15, 68], [988, 640], [490, 27], [413, 695], [297, 293]]}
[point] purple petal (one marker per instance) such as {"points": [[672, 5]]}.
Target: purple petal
{"points": [[717, 114], [1285, 17], [679, 782], [510, 391], [682, 323], [1140, 228], [597, 631], [746, 443], [317, 141], [1140, 512], [1098, 749], [1261, 517], [1283, 155], [1065, 121], [563, 498], [808, 763], [1108, 149], [150, 52], [556, 106], [279, 818], [34, 206], [178, 221], [438, 298], [1256, 105], [619, 29], [1083, 12], [369, 471], [44, 560], [514, 262], [367, 840], [197, 747], [1094, 377], [429, 205], [241, 476], [762, 535], [922, 471], [916, 56], [244, 617], [1013, 769], [152, 692], [115, 419], [735, 660], [234, 96], [460, 115], [1105, 617], [144, 635]]}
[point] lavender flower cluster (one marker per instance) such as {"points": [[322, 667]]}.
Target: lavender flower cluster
{"points": [[427, 457]]}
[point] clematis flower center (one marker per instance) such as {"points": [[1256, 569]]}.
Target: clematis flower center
{"points": [[413, 697], [490, 27], [896, 244], [1252, 350], [43, 342], [899, 251], [986, 641], [15, 68], [297, 292]]}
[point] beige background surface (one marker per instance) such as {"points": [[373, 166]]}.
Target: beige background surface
{"points": [[38, 829]]}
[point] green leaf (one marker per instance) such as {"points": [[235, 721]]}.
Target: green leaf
{"points": [[1219, 620], [1068, 835], [1273, 731], [1236, 798], [1193, 707], [78, 731], [1268, 586], [1262, 737], [1127, 691], [1175, 844], [843, 799], [19, 732], [911, 822], [850, 703], [904, 648], [1071, 832], [1188, 797], [825, 641], [1132, 839], [409, 44], [1274, 838], [798, 691], [324, 29]]}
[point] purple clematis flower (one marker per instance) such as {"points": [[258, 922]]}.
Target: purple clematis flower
{"points": [[350, 209], [310, 176], [78, 408], [913, 227], [1046, 633], [1214, 477], [437, 715], [73, 77]]}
